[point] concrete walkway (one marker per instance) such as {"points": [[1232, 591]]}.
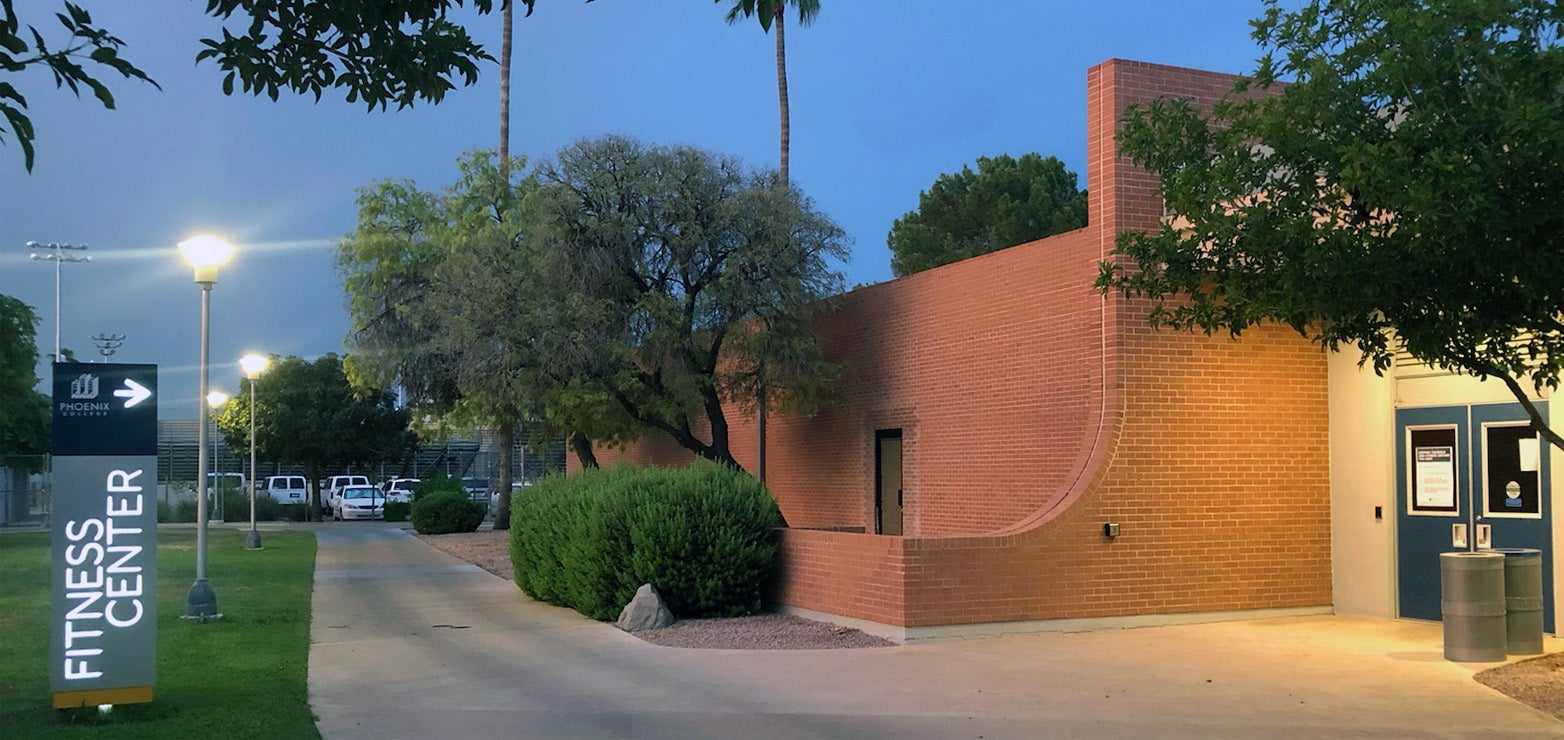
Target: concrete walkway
{"points": [[410, 642]]}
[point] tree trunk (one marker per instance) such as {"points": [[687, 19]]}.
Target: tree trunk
{"points": [[507, 15], [505, 439], [312, 484], [782, 95], [583, 450]]}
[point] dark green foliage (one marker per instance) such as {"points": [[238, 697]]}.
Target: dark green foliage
{"points": [[1005, 203], [236, 506], [444, 512], [397, 511], [667, 257], [382, 52], [24, 412], [307, 413], [85, 44], [704, 536], [436, 484], [1411, 181]]}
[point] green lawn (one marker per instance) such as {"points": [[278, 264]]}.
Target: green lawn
{"points": [[243, 676]]}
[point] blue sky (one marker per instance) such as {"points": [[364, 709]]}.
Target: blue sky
{"points": [[886, 95]]}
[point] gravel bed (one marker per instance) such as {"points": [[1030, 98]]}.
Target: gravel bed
{"points": [[1537, 683], [490, 551]]}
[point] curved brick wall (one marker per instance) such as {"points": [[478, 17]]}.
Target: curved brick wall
{"points": [[1210, 453]]}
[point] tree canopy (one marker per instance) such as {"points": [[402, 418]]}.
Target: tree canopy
{"points": [[691, 280], [24, 412], [1405, 189], [1005, 203], [381, 53], [443, 290], [307, 413], [621, 290]]}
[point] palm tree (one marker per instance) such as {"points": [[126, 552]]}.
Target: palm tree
{"points": [[769, 12], [507, 19]]}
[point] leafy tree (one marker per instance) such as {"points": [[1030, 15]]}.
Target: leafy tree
{"points": [[444, 295], [307, 413], [384, 52], [379, 53], [86, 44], [1005, 203], [1406, 188], [690, 281], [24, 412], [770, 12]]}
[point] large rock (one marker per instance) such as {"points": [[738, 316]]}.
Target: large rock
{"points": [[645, 612]]}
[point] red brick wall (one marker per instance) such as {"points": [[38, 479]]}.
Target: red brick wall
{"points": [[1210, 453]]}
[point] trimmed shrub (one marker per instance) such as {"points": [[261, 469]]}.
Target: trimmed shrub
{"points": [[444, 512], [704, 536], [236, 506], [437, 484], [397, 511]]}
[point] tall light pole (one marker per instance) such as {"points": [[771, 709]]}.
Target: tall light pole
{"points": [[253, 365], [215, 400], [204, 253], [58, 254]]}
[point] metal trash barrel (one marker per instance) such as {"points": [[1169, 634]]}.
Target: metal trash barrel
{"points": [[1522, 599], [1471, 590]]}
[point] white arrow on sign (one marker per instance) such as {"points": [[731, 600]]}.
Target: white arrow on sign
{"points": [[133, 392]]}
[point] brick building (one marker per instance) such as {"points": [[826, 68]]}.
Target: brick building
{"points": [[999, 416]]}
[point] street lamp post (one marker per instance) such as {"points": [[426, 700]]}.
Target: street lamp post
{"points": [[205, 254], [215, 400], [58, 254], [253, 365]]}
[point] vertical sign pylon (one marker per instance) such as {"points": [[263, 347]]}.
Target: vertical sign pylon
{"points": [[103, 628]]}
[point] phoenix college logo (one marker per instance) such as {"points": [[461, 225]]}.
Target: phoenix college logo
{"points": [[84, 387]]}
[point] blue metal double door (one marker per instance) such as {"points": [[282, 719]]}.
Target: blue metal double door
{"points": [[1468, 478]]}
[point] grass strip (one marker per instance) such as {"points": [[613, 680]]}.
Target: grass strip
{"points": [[243, 676]]}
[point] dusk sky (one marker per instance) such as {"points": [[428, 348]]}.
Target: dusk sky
{"points": [[885, 94]]}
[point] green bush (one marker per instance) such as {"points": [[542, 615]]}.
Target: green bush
{"points": [[704, 536], [236, 506], [444, 512], [397, 511], [436, 485]]}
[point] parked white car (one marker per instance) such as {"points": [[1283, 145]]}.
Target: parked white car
{"points": [[401, 489], [334, 486], [358, 502], [287, 489]]}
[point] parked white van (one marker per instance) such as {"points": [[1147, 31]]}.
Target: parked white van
{"points": [[287, 489]]}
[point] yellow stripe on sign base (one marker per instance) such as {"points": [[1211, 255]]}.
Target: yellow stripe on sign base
{"points": [[95, 697]]}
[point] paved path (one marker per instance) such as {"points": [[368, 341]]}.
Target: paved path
{"points": [[410, 642]]}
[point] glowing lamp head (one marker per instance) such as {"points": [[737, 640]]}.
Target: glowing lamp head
{"points": [[216, 399], [253, 365], [206, 253]]}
